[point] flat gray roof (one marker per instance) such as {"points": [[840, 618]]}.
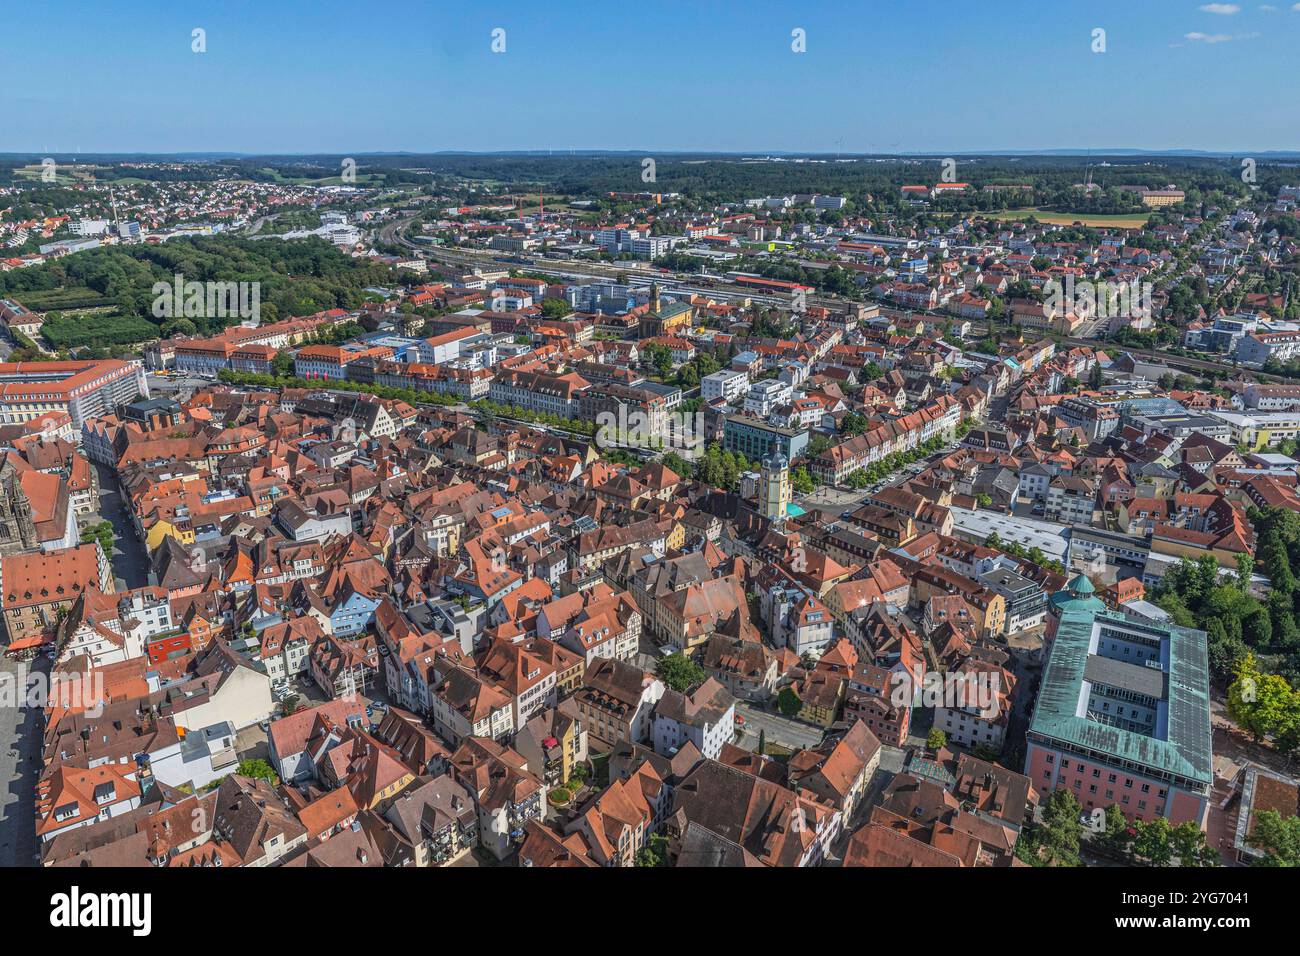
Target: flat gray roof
{"points": [[1148, 681]]}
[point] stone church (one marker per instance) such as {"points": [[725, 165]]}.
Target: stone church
{"points": [[17, 530]]}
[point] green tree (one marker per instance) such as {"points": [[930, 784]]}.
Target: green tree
{"points": [[801, 481], [1153, 842], [1278, 837], [1060, 833], [1094, 376], [788, 702], [853, 424], [678, 465], [679, 672], [1117, 838], [936, 739], [282, 365], [259, 769], [655, 852], [1191, 847], [1245, 568], [553, 308], [1263, 704]]}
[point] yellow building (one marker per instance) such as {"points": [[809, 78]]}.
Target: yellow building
{"points": [[162, 528], [1162, 197]]}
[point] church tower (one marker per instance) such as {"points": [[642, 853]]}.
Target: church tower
{"points": [[23, 515], [774, 487]]}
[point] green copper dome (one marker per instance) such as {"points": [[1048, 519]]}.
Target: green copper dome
{"points": [[1081, 585], [1078, 593]]}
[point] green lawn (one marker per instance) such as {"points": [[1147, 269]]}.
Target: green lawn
{"points": [[1120, 220]]}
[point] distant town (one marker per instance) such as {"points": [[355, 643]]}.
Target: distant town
{"points": [[601, 510]]}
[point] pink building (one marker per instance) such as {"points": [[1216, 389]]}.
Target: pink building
{"points": [[1123, 713]]}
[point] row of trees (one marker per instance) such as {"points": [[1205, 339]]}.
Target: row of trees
{"points": [[1034, 555], [1057, 838], [891, 463], [491, 409]]}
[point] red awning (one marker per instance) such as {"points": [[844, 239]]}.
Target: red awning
{"points": [[23, 643]]}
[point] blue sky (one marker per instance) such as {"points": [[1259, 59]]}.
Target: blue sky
{"points": [[878, 75]]}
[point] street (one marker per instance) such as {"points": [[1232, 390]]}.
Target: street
{"points": [[20, 746], [130, 560]]}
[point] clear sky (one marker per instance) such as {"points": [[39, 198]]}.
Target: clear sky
{"points": [[420, 75]]}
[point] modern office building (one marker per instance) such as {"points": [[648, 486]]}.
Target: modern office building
{"points": [[757, 439], [1026, 601], [1123, 712], [726, 384], [763, 397]]}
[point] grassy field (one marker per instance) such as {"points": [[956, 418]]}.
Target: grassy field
{"points": [[362, 179], [66, 174], [529, 206], [1118, 220]]}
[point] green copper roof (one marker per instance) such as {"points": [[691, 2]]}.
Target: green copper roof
{"points": [[1081, 585], [1068, 598], [1182, 747]]}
